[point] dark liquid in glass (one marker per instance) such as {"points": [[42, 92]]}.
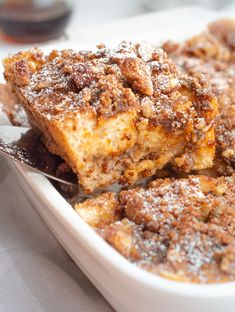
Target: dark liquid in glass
{"points": [[30, 23]]}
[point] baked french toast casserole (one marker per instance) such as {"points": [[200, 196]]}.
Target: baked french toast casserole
{"points": [[160, 122]]}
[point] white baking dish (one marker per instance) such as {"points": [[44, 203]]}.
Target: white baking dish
{"points": [[125, 286]]}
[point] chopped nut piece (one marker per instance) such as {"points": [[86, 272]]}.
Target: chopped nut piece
{"points": [[135, 72]]}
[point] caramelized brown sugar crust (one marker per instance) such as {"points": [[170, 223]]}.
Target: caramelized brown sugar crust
{"points": [[116, 115], [181, 229], [212, 54]]}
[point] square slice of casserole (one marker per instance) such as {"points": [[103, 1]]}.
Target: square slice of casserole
{"points": [[116, 115]]}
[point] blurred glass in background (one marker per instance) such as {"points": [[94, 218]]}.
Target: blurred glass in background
{"points": [[33, 20]]}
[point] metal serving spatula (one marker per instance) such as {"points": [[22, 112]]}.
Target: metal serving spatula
{"points": [[24, 146]]}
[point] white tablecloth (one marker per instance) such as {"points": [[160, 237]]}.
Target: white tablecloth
{"points": [[36, 274]]}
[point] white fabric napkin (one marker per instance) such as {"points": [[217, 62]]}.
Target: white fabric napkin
{"points": [[36, 274]]}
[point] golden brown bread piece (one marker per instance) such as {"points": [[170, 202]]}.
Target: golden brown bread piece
{"points": [[101, 211], [182, 229], [116, 115]]}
